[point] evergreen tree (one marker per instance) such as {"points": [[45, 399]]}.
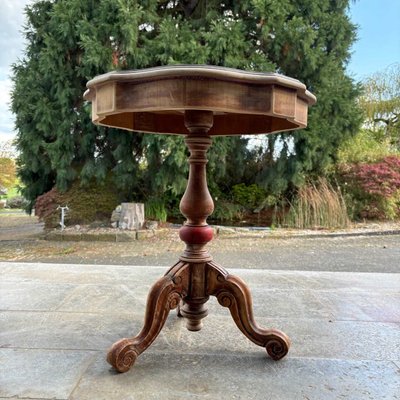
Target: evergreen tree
{"points": [[71, 41], [57, 141], [309, 41]]}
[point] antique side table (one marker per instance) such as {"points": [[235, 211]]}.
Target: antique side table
{"points": [[198, 102]]}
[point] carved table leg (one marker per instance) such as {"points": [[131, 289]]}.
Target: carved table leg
{"points": [[193, 309], [196, 205], [189, 283], [232, 292], [164, 296]]}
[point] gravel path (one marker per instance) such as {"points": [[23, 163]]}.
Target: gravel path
{"points": [[364, 253]]}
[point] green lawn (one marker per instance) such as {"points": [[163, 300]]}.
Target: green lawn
{"points": [[12, 210]]}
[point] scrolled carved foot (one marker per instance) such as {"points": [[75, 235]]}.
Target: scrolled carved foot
{"points": [[234, 294], [278, 346], [122, 355], [165, 295]]}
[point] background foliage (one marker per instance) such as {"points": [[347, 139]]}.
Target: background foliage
{"points": [[8, 175], [71, 41], [373, 188], [368, 164], [80, 204], [380, 102]]}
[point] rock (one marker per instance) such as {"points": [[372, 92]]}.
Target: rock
{"points": [[223, 230], [151, 224], [92, 237], [55, 236], [126, 236], [144, 234], [77, 227], [132, 214], [115, 216], [243, 230], [73, 237], [97, 224]]}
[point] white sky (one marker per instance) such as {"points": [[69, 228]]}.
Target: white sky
{"points": [[11, 46], [362, 13]]}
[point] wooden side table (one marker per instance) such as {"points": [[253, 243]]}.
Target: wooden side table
{"points": [[198, 102]]}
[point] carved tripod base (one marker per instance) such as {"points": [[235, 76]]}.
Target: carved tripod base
{"points": [[187, 286], [196, 277]]}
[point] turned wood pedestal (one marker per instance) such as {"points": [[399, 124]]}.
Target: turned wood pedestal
{"points": [[198, 102]]}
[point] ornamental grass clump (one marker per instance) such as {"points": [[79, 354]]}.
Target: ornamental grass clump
{"points": [[317, 206], [155, 210]]}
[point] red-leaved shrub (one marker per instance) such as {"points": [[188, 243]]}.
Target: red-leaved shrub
{"points": [[375, 186], [46, 207], [92, 203]]}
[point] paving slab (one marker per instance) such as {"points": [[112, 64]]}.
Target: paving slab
{"points": [[310, 338], [57, 320], [32, 296], [47, 374], [76, 331], [70, 331], [193, 376], [78, 273]]}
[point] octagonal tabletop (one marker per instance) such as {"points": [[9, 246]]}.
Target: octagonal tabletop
{"points": [[155, 99]]}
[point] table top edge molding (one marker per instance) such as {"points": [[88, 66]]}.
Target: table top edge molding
{"points": [[201, 71]]}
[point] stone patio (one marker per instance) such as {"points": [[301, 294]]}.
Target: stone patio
{"points": [[57, 320]]}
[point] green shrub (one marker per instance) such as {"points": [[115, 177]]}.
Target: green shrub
{"points": [[250, 196], [226, 211], [16, 202], [365, 147]]}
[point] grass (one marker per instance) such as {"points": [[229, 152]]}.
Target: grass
{"points": [[66, 251], [155, 210], [9, 219], [317, 206], [13, 211]]}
